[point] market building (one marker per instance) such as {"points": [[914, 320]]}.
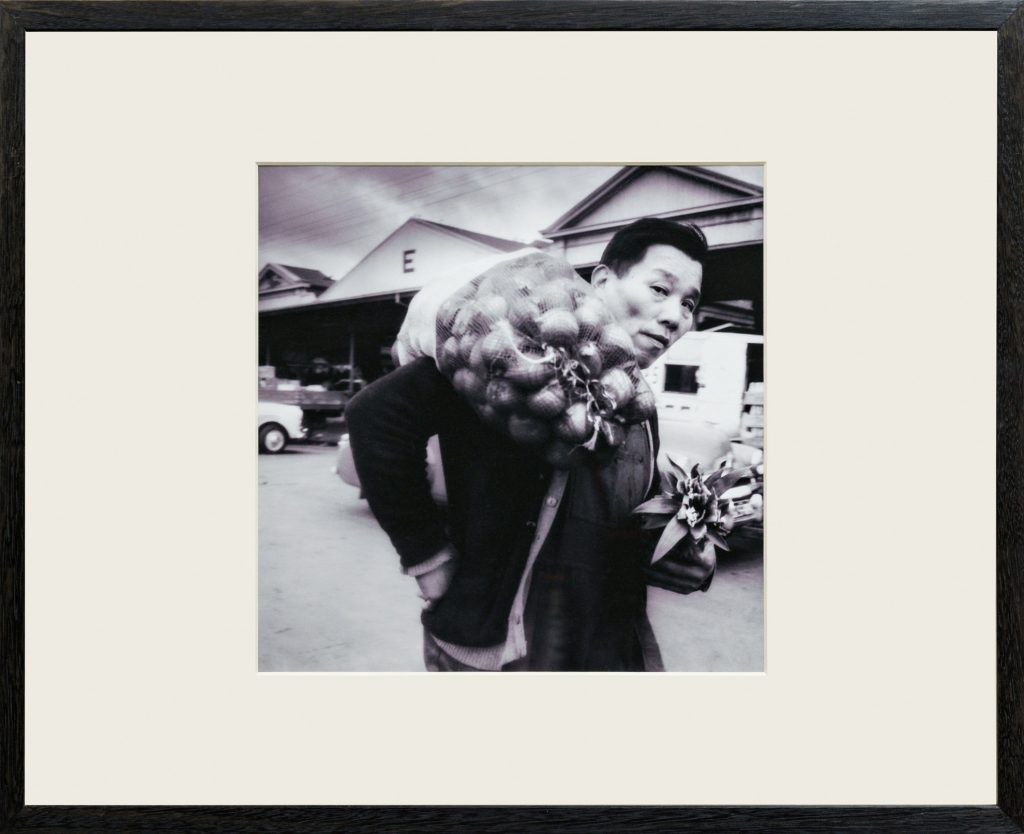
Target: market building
{"points": [[281, 285], [355, 319]]}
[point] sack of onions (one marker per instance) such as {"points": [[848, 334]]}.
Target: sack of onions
{"points": [[534, 350]]}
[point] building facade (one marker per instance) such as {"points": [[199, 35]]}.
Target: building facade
{"points": [[355, 320], [281, 286]]}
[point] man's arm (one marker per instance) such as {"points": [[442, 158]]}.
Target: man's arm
{"points": [[389, 424]]}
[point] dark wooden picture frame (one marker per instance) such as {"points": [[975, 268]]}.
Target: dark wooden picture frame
{"points": [[1004, 16]]}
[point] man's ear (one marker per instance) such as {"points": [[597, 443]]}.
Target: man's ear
{"points": [[600, 275]]}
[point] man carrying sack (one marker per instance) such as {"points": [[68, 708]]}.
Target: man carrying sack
{"points": [[539, 564]]}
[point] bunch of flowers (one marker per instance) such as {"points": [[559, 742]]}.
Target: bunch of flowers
{"points": [[691, 506]]}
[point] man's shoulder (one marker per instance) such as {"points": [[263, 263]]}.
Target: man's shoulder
{"points": [[418, 381], [421, 373], [424, 368]]}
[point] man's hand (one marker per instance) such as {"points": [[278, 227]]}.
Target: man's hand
{"points": [[685, 568], [434, 583], [700, 570]]}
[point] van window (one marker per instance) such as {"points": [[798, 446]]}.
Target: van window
{"points": [[681, 379]]}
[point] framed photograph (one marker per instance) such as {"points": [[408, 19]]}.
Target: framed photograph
{"points": [[517, 270]]}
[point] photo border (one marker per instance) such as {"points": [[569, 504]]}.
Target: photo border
{"points": [[1004, 16]]}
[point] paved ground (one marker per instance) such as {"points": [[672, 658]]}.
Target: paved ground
{"points": [[332, 597]]}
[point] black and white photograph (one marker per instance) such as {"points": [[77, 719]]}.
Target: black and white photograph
{"points": [[512, 401], [511, 418]]}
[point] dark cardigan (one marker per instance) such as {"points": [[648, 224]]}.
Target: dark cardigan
{"points": [[495, 488]]}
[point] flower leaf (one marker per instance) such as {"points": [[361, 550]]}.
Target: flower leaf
{"points": [[699, 532], [730, 479], [653, 522], [661, 504], [717, 540], [679, 467], [668, 483], [675, 531], [713, 476]]}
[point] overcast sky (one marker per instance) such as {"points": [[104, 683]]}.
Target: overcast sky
{"points": [[328, 218]]}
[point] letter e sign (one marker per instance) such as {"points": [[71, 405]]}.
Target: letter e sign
{"points": [[407, 265]]}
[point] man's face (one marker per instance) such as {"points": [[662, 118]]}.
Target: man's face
{"points": [[655, 300]]}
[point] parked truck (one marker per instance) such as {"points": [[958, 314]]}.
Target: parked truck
{"points": [[318, 389]]}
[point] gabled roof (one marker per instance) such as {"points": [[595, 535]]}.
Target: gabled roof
{"points": [[354, 285], [731, 189], [499, 243], [301, 275]]}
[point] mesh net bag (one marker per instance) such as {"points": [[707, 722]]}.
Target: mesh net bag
{"points": [[536, 353]]}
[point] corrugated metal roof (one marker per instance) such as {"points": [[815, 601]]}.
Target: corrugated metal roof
{"points": [[499, 243], [314, 277]]}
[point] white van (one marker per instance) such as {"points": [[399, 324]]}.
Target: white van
{"points": [[704, 376]]}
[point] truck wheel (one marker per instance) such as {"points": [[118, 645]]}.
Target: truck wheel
{"points": [[273, 439]]}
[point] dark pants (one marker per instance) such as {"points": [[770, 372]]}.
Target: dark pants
{"points": [[435, 659]]}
